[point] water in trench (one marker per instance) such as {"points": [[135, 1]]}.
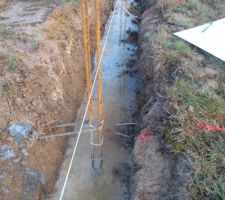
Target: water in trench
{"points": [[119, 92]]}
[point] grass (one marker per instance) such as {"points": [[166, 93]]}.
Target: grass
{"points": [[35, 45], [3, 30], [11, 64], [206, 149], [167, 49], [2, 2], [191, 99], [4, 89]]}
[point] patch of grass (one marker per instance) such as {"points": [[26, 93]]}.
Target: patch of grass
{"points": [[180, 90], [206, 149], [191, 99], [3, 30], [180, 48], [12, 64], [221, 88], [192, 5], [167, 49], [2, 2], [183, 22], [4, 89], [206, 103], [35, 45]]}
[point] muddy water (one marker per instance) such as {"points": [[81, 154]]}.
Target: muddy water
{"points": [[119, 93]]}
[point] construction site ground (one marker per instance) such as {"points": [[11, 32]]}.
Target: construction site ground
{"points": [[173, 91]]}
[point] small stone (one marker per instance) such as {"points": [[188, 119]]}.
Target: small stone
{"points": [[37, 104], [211, 71], [6, 152], [24, 152], [4, 190], [20, 132], [212, 83], [18, 79], [191, 109], [18, 101], [16, 160]]}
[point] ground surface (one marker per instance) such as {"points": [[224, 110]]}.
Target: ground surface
{"points": [[183, 89], [180, 149], [42, 81]]}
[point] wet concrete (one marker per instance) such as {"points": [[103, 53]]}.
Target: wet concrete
{"points": [[119, 94]]}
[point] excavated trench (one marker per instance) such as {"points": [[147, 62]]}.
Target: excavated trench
{"points": [[44, 81], [120, 85]]}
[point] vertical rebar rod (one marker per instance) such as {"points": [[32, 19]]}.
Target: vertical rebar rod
{"points": [[87, 51], [100, 95]]}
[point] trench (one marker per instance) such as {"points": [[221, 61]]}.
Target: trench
{"points": [[120, 86]]}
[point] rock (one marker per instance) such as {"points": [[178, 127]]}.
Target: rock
{"points": [[4, 191], [2, 175], [24, 152], [33, 184], [6, 152], [212, 83], [16, 160], [37, 104], [21, 132], [18, 101], [210, 71]]}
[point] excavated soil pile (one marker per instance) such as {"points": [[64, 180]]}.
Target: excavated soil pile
{"points": [[42, 82]]}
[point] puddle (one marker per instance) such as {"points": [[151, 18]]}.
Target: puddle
{"points": [[119, 93]]}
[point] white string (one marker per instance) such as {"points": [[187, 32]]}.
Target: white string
{"points": [[85, 113]]}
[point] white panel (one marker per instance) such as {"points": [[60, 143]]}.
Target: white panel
{"points": [[210, 37]]}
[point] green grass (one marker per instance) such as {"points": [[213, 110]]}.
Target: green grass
{"points": [[2, 2], [5, 89], [167, 49], [206, 149], [3, 30], [192, 99], [11, 64], [35, 45]]}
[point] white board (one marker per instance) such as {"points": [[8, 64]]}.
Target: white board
{"points": [[209, 37]]}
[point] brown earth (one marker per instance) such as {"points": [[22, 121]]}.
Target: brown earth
{"points": [[42, 80]]}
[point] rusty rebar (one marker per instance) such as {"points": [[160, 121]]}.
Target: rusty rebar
{"points": [[87, 50]]}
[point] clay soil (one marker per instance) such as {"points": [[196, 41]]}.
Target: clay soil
{"points": [[42, 81]]}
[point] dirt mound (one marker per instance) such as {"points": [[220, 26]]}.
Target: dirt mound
{"points": [[42, 81]]}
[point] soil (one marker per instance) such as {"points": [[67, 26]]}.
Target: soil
{"points": [[157, 167], [42, 68]]}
